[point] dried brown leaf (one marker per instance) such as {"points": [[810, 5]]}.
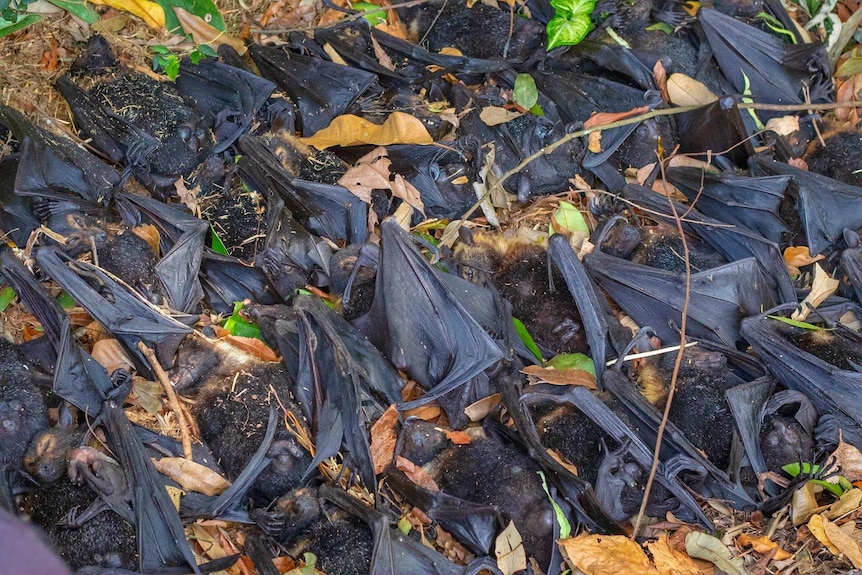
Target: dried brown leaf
{"points": [[704, 546], [798, 256], [605, 555], [350, 130], [253, 346], [203, 33], [602, 118], [661, 79], [594, 142], [562, 376], [495, 115], [822, 287], [763, 545], [509, 550], [478, 410], [849, 458], [669, 560], [784, 125], [111, 355], [191, 476], [383, 439], [381, 55], [415, 474], [844, 542], [458, 437], [686, 91], [150, 234]]}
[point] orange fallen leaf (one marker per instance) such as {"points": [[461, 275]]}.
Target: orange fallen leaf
{"points": [[798, 256], [150, 234], [669, 560], [458, 437], [383, 439], [350, 130], [763, 544], [602, 118], [253, 346], [562, 376], [373, 172], [594, 142], [415, 474], [606, 555]]}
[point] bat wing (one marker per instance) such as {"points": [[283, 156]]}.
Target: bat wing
{"points": [[771, 69], [720, 298], [224, 96], [226, 280], [746, 403], [727, 133], [126, 315], [739, 200], [825, 206], [183, 237], [734, 242], [394, 553], [422, 327], [851, 261], [321, 90]]}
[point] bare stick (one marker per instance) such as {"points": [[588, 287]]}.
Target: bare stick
{"points": [[173, 400], [676, 366]]}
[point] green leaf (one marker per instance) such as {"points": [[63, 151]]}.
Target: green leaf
{"points": [[6, 297], [525, 94], [207, 50], [801, 324], [537, 110], [7, 27], [65, 300], [572, 361], [660, 27], [567, 32], [746, 92], [78, 8], [195, 57], [238, 325], [217, 245], [570, 219], [527, 338], [206, 9], [562, 520], [404, 526], [159, 49], [836, 489], [775, 25], [168, 63], [375, 15]]}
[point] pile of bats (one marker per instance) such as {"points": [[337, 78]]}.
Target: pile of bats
{"points": [[406, 322]]}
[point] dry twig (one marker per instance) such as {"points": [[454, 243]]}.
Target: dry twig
{"points": [[173, 400]]}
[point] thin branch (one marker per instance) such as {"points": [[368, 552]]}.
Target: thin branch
{"points": [[676, 367], [173, 400]]}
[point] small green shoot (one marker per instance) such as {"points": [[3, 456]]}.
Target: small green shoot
{"points": [[775, 25], [569, 219], [65, 300], [404, 526], [572, 361], [836, 489], [525, 336], [217, 245], [374, 14], [200, 52], [571, 22], [6, 297], [799, 324], [166, 61], [562, 520], [525, 94], [746, 98], [660, 27], [239, 326]]}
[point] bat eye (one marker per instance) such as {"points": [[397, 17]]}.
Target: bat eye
{"points": [[200, 134], [434, 171], [9, 424], [184, 133]]}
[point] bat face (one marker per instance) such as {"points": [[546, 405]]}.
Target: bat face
{"points": [[130, 258], [784, 440]]}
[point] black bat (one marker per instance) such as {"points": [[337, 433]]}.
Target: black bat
{"points": [[588, 55], [441, 347], [851, 261], [321, 90], [344, 384], [825, 206], [326, 210], [225, 97], [182, 238], [57, 167], [727, 136], [121, 310], [751, 202], [720, 297], [733, 242], [834, 390], [16, 218], [226, 280], [764, 65]]}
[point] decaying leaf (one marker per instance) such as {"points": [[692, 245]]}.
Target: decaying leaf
{"points": [[686, 91], [562, 376], [148, 394], [383, 439], [849, 459], [175, 493], [150, 234], [763, 544], [784, 126], [483, 185], [670, 561], [415, 473], [253, 346], [804, 504], [849, 501], [188, 197], [494, 115], [478, 410], [350, 130], [191, 476], [845, 543], [605, 555], [704, 546], [602, 118], [110, 354], [798, 256], [203, 33], [509, 550], [458, 437], [822, 287], [660, 74], [594, 142], [372, 172]]}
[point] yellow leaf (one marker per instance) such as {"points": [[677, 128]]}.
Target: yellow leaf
{"points": [[595, 142], [494, 115], [191, 476], [605, 555], [350, 130], [850, 501], [784, 126], [670, 561], [150, 12], [816, 526], [203, 33], [175, 494], [686, 91], [845, 543], [509, 549], [763, 544], [798, 256], [804, 504]]}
